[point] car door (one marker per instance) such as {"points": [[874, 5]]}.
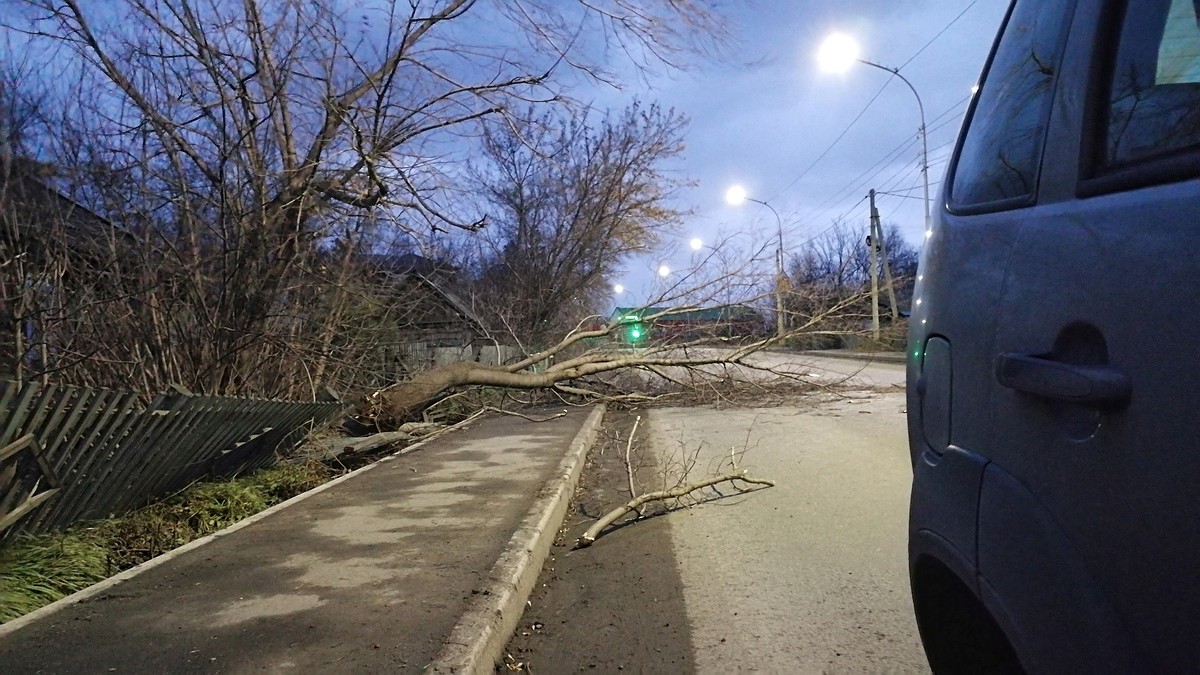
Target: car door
{"points": [[990, 190], [1092, 489]]}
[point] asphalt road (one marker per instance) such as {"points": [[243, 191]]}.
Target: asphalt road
{"points": [[830, 370], [769, 365], [808, 576]]}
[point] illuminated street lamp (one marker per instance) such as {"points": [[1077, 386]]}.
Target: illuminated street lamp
{"points": [[664, 271], [618, 289], [735, 196], [697, 243], [837, 54]]}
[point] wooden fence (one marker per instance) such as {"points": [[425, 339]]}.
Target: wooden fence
{"points": [[69, 454]]}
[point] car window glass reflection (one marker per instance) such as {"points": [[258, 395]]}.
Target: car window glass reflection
{"points": [[1003, 146], [1155, 100]]}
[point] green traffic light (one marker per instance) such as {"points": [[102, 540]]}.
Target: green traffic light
{"points": [[637, 332]]}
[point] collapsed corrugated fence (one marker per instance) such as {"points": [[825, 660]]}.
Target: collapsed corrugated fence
{"points": [[69, 454]]}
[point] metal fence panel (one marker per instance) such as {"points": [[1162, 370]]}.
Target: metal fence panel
{"points": [[105, 453]]}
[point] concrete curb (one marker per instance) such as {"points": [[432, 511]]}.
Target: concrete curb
{"points": [[20, 622], [477, 641]]}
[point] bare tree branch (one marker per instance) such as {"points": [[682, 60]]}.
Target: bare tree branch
{"points": [[735, 479]]}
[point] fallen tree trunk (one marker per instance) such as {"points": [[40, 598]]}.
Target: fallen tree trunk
{"points": [[376, 441], [410, 431], [405, 400], [556, 369], [611, 517]]}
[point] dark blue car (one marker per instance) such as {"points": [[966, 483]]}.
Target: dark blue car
{"points": [[1054, 353]]}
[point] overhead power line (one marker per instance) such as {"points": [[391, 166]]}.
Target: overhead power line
{"points": [[869, 103], [868, 176], [832, 145], [940, 33]]}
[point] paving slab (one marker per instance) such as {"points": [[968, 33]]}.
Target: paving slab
{"points": [[371, 574]]}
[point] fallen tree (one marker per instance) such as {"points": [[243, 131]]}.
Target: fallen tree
{"points": [[576, 370]]}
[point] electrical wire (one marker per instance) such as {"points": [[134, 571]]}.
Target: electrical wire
{"points": [[940, 33], [900, 149], [836, 222], [869, 103], [832, 145], [945, 118]]}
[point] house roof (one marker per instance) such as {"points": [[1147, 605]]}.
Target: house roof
{"points": [[432, 274], [456, 303], [403, 263], [26, 189]]}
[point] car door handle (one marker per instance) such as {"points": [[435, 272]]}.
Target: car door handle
{"points": [[1100, 385]]}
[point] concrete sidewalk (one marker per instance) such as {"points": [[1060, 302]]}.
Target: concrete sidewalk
{"points": [[421, 561]]}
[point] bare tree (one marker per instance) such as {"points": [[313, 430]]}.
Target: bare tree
{"points": [[249, 155], [833, 270], [838, 259], [595, 360], [568, 200], [233, 141], [903, 256]]}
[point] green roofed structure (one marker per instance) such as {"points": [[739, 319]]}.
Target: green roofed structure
{"points": [[662, 324]]}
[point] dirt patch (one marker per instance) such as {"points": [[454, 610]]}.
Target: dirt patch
{"points": [[617, 605]]}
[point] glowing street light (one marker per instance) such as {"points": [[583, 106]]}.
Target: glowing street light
{"points": [[735, 196], [697, 243], [837, 54], [664, 271], [618, 289]]}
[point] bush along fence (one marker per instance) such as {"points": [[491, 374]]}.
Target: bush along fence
{"points": [[70, 454]]}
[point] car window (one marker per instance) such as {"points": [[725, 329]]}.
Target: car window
{"points": [[1003, 145], [1154, 101]]}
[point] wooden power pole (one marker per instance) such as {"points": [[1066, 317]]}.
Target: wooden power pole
{"points": [[874, 270], [878, 245]]}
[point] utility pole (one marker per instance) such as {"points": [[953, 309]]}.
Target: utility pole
{"points": [[874, 270], [780, 280], [887, 267], [736, 195], [878, 245]]}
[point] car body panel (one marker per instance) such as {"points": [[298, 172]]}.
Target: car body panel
{"points": [[1077, 525], [1118, 482], [949, 513], [1107, 277], [1037, 587]]}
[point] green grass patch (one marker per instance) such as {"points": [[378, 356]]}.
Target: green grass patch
{"points": [[37, 570]]}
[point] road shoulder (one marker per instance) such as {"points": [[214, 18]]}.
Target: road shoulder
{"points": [[618, 604]]}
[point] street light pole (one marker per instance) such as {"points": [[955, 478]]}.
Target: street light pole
{"points": [[736, 195], [780, 317], [924, 143], [837, 54]]}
